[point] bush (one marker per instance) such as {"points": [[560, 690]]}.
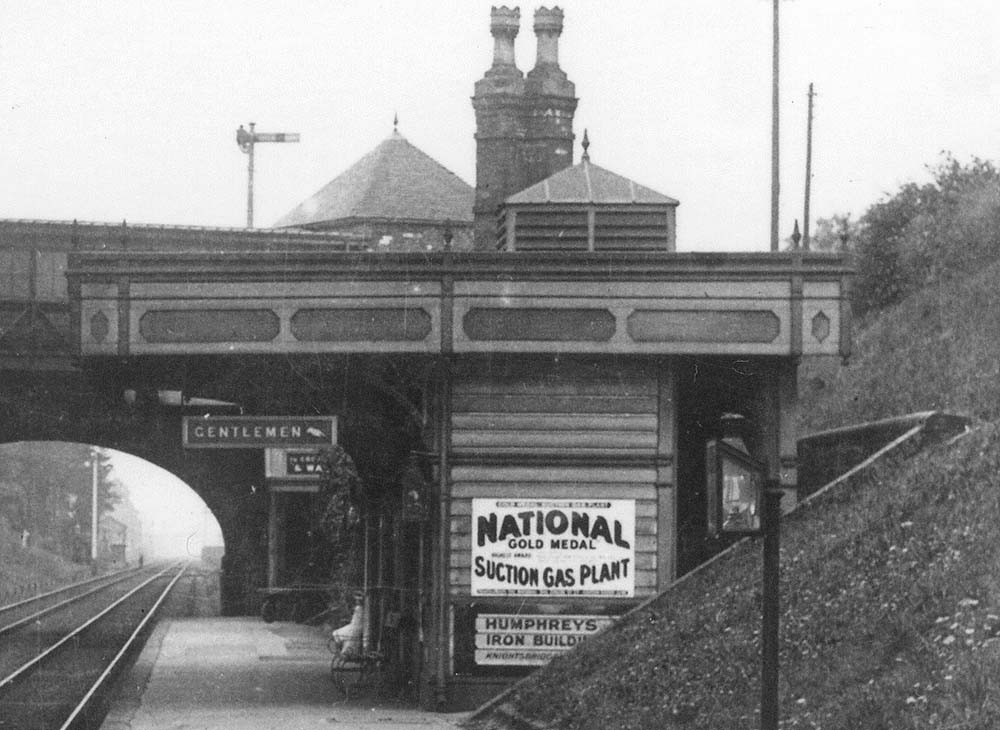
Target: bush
{"points": [[927, 233]]}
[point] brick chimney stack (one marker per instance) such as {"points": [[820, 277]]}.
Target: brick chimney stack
{"points": [[548, 28], [551, 99], [500, 126], [504, 26], [524, 126]]}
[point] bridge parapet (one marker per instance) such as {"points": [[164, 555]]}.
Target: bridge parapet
{"points": [[35, 326], [314, 301]]}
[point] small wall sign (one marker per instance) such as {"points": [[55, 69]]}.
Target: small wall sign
{"points": [[498, 640], [505, 639], [258, 432], [303, 463]]}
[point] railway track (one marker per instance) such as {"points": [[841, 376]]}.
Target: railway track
{"points": [[56, 667], [15, 615]]}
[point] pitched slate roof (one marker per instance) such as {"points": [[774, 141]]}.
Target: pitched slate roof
{"points": [[587, 183], [393, 181]]}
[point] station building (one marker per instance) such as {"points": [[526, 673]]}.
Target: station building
{"points": [[572, 368]]}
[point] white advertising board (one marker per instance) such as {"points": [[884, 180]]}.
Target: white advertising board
{"points": [[553, 547], [530, 639]]}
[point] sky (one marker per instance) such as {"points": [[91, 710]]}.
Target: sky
{"points": [[114, 110], [175, 520]]}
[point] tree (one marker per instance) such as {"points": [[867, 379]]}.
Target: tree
{"points": [[340, 518], [837, 234], [923, 233], [47, 491]]}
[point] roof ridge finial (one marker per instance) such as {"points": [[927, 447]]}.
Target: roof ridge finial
{"points": [[586, 147], [395, 123]]}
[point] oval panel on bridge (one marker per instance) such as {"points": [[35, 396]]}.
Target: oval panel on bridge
{"points": [[343, 324], [209, 325], [542, 325], [702, 325]]}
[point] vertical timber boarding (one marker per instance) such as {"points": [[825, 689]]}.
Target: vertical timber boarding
{"points": [[545, 428]]}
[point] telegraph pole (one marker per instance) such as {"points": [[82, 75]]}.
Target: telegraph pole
{"points": [[775, 179], [809, 154], [247, 140], [94, 469]]}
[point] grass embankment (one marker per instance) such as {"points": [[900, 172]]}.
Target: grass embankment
{"points": [[27, 571], [937, 350], [890, 602], [890, 584]]}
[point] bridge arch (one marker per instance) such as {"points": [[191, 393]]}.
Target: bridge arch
{"points": [[107, 508], [379, 403]]}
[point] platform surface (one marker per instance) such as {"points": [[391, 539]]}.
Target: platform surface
{"points": [[241, 673]]}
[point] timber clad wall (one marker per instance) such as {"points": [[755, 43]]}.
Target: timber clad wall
{"points": [[633, 230], [592, 228], [546, 429], [545, 230]]}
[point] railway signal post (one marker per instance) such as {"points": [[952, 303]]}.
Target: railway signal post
{"points": [[247, 140]]}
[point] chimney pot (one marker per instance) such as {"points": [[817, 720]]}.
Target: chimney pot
{"points": [[504, 24], [548, 27]]}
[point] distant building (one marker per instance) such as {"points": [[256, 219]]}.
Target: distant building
{"points": [[112, 537], [126, 513], [397, 197], [211, 555]]}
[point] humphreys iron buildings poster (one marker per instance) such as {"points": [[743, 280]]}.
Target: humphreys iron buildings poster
{"points": [[553, 547], [531, 639]]}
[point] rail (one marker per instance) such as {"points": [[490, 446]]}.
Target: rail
{"points": [[79, 654], [117, 661], [100, 582]]}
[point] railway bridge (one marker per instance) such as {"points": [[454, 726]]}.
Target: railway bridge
{"points": [[525, 375], [507, 381]]}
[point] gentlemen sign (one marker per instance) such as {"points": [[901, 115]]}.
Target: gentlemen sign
{"points": [[258, 432], [553, 547], [529, 639]]}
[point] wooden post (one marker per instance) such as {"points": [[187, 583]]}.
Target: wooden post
{"points": [[124, 284], [443, 614], [273, 536], [511, 230], [666, 477]]}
